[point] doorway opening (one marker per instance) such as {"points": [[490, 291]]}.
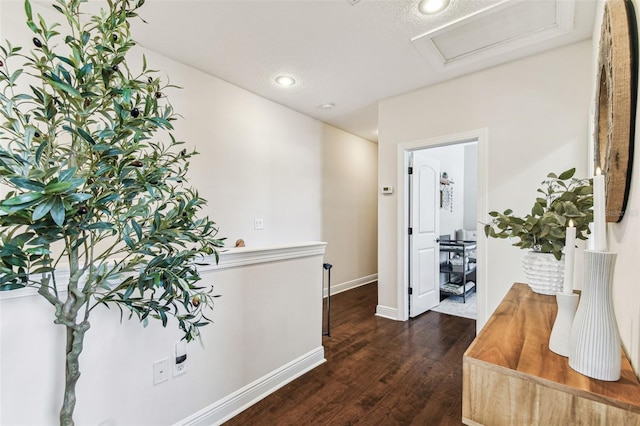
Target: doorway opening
{"points": [[442, 217], [478, 139]]}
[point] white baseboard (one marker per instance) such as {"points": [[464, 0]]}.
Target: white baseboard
{"points": [[224, 409], [387, 312], [339, 288]]}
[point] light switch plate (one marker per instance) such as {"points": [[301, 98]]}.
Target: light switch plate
{"points": [[161, 371]]}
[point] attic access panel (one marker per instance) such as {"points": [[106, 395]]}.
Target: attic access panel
{"points": [[500, 29]]}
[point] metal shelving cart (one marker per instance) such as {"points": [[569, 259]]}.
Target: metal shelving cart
{"points": [[457, 283]]}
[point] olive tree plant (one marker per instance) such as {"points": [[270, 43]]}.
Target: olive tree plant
{"points": [[97, 210]]}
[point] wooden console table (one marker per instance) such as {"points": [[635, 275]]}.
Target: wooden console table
{"points": [[510, 377]]}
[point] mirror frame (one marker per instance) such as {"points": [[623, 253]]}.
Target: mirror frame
{"points": [[615, 114]]}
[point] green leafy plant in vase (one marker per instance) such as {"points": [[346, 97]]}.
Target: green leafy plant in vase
{"points": [[562, 198], [97, 211]]}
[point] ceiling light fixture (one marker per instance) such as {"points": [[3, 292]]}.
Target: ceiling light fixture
{"points": [[429, 7], [285, 80]]}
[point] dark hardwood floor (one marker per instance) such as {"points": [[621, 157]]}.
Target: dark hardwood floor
{"points": [[378, 371]]}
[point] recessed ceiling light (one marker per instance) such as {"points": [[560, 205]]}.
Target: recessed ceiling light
{"points": [[328, 106], [429, 7], [285, 80]]}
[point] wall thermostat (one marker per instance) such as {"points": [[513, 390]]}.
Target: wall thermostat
{"points": [[387, 189]]}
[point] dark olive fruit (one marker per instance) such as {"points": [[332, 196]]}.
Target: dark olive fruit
{"points": [[195, 301], [136, 163], [150, 80], [1, 63], [179, 180], [115, 37], [36, 134], [82, 209], [135, 113], [114, 68], [183, 152], [37, 42], [158, 94], [87, 102]]}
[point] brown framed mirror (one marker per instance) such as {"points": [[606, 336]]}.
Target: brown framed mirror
{"points": [[615, 113]]}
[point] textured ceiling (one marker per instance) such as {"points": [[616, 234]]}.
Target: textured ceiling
{"points": [[351, 55]]}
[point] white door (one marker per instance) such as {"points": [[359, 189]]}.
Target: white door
{"points": [[424, 258]]}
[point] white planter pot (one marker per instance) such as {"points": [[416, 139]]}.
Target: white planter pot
{"points": [[544, 272]]}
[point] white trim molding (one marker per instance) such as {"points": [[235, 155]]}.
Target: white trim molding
{"points": [[233, 404], [228, 258], [349, 285], [241, 256], [387, 312]]}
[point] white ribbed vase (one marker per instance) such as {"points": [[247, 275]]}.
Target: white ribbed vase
{"points": [[595, 342], [544, 272]]}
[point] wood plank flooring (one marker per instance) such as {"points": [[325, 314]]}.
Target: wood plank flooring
{"points": [[378, 371]]}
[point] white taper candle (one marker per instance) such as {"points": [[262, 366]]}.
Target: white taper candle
{"points": [[569, 254], [599, 216]]}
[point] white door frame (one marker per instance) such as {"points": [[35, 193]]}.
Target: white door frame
{"points": [[403, 150]]}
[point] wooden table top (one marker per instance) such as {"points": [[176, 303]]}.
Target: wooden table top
{"points": [[515, 341]]}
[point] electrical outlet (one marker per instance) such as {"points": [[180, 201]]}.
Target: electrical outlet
{"points": [[160, 371], [179, 369], [258, 223], [180, 359]]}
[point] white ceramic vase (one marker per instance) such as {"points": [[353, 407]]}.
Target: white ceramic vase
{"points": [[595, 349], [561, 331], [544, 272]]}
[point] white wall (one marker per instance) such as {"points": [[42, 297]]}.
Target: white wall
{"points": [[350, 208], [535, 110], [623, 238], [257, 159]]}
